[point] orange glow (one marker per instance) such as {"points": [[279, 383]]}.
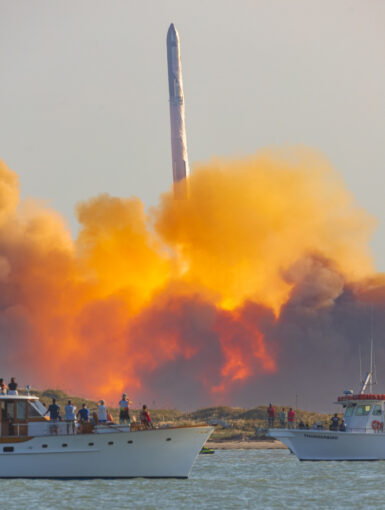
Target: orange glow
{"points": [[139, 291]]}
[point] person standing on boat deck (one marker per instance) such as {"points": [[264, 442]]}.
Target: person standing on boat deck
{"points": [[124, 414], [3, 387], [53, 410], [102, 412], [70, 416], [270, 415], [334, 422], [12, 387], [290, 418], [83, 414], [282, 418], [342, 427], [145, 418]]}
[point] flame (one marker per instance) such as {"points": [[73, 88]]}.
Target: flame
{"points": [[175, 294]]}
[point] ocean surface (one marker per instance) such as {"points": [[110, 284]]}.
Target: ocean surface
{"points": [[268, 479]]}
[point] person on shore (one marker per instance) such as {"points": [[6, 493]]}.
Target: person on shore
{"points": [[70, 417], [83, 414], [270, 415], [290, 418], [3, 387], [124, 413], [334, 422], [145, 418], [102, 412], [282, 418], [12, 387]]}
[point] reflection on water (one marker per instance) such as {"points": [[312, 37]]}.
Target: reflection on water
{"points": [[268, 479]]}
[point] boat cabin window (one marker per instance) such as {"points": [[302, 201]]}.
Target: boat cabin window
{"points": [[349, 411], [7, 409], [21, 410], [363, 410], [377, 411], [34, 411]]}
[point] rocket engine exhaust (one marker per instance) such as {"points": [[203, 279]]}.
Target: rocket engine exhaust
{"points": [[180, 166]]}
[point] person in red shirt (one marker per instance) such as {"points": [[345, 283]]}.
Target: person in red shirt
{"points": [[290, 418], [145, 418], [271, 415]]}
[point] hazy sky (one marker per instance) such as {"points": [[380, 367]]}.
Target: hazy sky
{"points": [[84, 93]]}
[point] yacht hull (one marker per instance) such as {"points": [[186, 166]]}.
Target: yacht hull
{"points": [[156, 453], [328, 445]]}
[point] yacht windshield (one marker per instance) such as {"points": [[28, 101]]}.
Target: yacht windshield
{"points": [[349, 411], [377, 411], [363, 410], [36, 408]]}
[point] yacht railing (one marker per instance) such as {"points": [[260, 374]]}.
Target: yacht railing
{"points": [[67, 427]]}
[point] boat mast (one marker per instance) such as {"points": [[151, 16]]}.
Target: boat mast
{"points": [[370, 377]]}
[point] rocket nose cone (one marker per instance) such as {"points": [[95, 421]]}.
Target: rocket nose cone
{"points": [[172, 34]]}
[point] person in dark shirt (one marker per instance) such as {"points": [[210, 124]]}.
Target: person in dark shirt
{"points": [[83, 414], [12, 387], [334, 422], [53, 411], [342, 427]]}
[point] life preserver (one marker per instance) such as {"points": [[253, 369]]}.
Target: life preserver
{"points": [[376, 425]]}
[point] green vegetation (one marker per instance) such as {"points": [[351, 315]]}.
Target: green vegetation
{"points": [[233, 423]]}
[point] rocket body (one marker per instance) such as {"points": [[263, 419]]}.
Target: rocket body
{"points": [[180, 166]]}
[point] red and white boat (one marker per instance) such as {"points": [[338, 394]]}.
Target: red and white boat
{"points": [[364, 438]]}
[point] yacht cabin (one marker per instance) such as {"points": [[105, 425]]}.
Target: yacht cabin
{"points": [[22, 416]]}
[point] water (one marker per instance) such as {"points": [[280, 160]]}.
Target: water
{"points": [[268, 479]]}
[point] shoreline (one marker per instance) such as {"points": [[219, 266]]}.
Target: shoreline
{"points": [[246, 445]]}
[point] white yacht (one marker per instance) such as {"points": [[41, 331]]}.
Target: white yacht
{"points": [[363, 439], [32, 446]]}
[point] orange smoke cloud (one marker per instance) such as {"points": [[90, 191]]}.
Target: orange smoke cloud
{"points": [[140, 300], [246, 222]]}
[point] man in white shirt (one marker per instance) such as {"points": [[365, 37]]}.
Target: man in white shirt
{"points": [[70, 416], [102, 412]]}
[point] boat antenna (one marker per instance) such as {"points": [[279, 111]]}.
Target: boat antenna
{"points": [[360, 358], [372, 353], [370, 377]]}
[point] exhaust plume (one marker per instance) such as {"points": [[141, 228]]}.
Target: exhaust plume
{"points": [[256, 288]]}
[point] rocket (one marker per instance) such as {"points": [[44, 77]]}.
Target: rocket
{"points": [[180, 166]]}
